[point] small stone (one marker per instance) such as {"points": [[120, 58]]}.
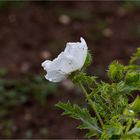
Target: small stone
{"points": [[14, 128], [12, 18], [45, 54], [107, 32], [68, 84], [27, 117], [13, 67], [64, 19], [25, 67], [121, 12], [44, 131]]}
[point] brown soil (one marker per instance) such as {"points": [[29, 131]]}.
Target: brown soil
{"points": [[29, 29]]}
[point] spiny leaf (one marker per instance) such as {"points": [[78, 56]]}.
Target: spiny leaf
{"points": [[112, 129], [81, 114], [135, 130], [135, 106], [135, 56], [90, 134]]}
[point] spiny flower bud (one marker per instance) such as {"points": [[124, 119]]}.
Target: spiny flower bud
{"points": [[116, 71]]}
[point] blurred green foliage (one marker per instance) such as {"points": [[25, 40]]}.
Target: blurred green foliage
{"points": [[3, 3], [130, 4], [3, 72], [6, 3], [15, 93]]}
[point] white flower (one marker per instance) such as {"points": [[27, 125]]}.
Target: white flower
{"points": [[72, 59]]}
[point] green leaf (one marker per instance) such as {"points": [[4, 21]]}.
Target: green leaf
{"points": [[116, 71], [81, 114], [135, 130], [111, 130], [129, 137], [90, 134], [132, 67], [135, 56], [135, 106], [128, 113]]}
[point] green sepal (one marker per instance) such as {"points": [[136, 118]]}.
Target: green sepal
{"points": [[82, 77], [88, 60]]}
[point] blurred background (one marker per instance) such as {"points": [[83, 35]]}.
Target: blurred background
{"points": [[31, 32]]}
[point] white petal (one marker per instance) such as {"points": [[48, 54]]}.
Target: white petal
{"points": [[53, 65], [53, 68], [83, 41], [68, 64], [78, 51], [72, 59], [55, 76], [46, 64]]}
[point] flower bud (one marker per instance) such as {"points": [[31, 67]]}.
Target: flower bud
{"points": [[116, 71]]}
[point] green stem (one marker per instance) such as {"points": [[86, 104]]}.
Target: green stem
{"points": [[91, 104]]}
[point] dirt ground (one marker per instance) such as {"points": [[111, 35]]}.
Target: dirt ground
{"points": [[31, 32]]}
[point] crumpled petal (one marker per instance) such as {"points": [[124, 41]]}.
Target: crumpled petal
{"points": [[72, 59], [55, 76], [78, 53]]}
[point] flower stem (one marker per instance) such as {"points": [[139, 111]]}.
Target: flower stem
{"points": [[91, 104]]}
